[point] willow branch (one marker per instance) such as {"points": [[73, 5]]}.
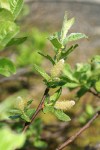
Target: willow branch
{"points": [[95, 94], [39, 108], [71, 139]]}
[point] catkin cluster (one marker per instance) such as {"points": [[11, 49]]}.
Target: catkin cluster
{"points": [[64, 105], [57, 68], [20, 103]]}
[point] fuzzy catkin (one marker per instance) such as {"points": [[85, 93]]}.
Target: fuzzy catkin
{"points": [[64, 105], [57, 68], [20, 103]]}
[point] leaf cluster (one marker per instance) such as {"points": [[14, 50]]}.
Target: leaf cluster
{"points": [[22, 110], [83, 76], [9, 10]]}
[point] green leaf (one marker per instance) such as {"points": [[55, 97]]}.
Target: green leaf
{"points": [[40, 144], [97, 86], [96, 58], [95, 74], [56, 43], [66, 26], [17, 41], [95, 62], [58, 113], [89, 109], [42, 72], [25, 117], [81, 92], [11, 140], [64, 54], [82, 68], [48, 108], [4, 4], [61, 115], [5, 15], [55, 83], [30, 112], [14, 117], [29, 102], [48, 57], [74, 37], [8, 30], [15, 7], [6, 67], [56, 95], [71, 85], [69, 73], [15, 111]]}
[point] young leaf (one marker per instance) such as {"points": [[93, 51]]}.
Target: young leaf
{"points": [[17, 41], [6, 67], [15, 7], [48, 57], [42, 72], [56, 95], [48, 108], [64, 54], [8, 30], [15, 111], [74, 37], [5, 15], [29, 102], [56, 43], [95, 74], [69, 73], [71, 85], [95, 62], [4, 4], [56, 82], [15, 117], [40, 144], [25, 117], [96, 59], [81, 92], [89, 110], [97, 86], [30, 112], [65, 27], [61, 115]]}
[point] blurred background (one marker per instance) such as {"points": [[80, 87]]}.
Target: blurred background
{"points": [[38, 19]]}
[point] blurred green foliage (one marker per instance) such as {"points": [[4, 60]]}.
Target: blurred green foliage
{"points": [[10, 140], [27, 53], [83, 76], [35, 131]]}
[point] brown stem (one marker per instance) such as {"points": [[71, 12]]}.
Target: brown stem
{"points": [[95, 94], [71, 139], [39, 108]]}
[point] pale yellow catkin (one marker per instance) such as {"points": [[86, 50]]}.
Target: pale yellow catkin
{"points": [[64, 105], [20, 103], [57, 68]]}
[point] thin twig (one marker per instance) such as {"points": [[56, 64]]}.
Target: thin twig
{"points": [[95, 94], [71, 139], [39, 108]]}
